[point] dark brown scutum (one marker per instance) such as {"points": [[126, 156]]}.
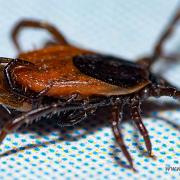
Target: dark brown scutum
{"points": [[113, 70]]}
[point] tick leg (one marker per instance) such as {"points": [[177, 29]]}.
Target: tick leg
{"points": [[115, 122], [57, 35], [72, 118], [165, 91], [171, 56], [8, 127], [5, 112], [44, 111], [75, 117], [158, 50], [136, 117], [4, 61]]}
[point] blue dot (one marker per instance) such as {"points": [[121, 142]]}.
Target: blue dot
{"points": [[162, 152], [10, 166], [32, 137], [173, 133], [73, 155], [8, 139], [67, 143], [97, 145], [35, 157], [66, 151], [165, 137], [12, 159], [46, 137], [107, 169], [106, 134], [51, 150], [90, 141], [71, 163], [37, 149], [164, 145], [88, 156], [102, 157], [176, 161], [161, 160], [134, 143], [43, 153], [16, 135], [82, 144], [105, 142], [20, 155], [62, 166], [27, 160], [59, 146], [15, 143], [80, 152], [8, 147], [146, 160], [153, 164], [129, 174], [73, 147], [78, 167], [169, 157], [79, 159], [89, 149], [86, 164], [172, 142]]}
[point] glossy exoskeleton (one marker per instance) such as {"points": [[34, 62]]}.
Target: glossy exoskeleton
{"points": [[63, 78]]}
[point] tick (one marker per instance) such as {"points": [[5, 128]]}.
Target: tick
{"points": [[61, 79]]}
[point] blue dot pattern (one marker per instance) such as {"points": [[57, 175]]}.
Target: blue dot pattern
{"points": [[88, 150]]}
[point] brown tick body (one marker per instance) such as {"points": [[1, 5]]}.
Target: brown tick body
{"points": [[63, 78]]}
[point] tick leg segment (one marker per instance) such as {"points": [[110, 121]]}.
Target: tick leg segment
{"points": [[165, 91], [75, 117], [115, 122], [5, 112], [57, 35], [158, 49], [44, 111], [136, 117]]}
